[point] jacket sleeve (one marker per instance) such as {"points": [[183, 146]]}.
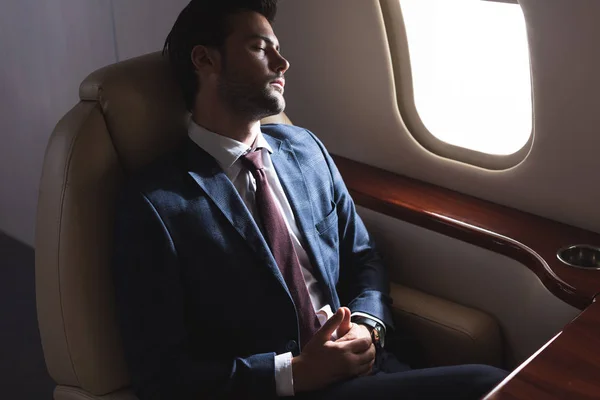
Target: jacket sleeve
{"points": [[363, 283], [150, 311]]}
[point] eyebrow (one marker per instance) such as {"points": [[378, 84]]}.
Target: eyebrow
{"points": [[266, 39]]}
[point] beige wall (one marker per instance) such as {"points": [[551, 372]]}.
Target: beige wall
{"points": [[48, 47], [340, 85], [142, 25]]}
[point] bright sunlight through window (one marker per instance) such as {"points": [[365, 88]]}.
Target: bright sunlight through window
{"points": [[470, 69]]}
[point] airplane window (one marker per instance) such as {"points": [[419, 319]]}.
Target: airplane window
{"points": [[469, 62]]}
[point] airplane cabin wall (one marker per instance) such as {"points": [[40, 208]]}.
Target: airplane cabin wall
{"points": [[48, 47], [141, 26], [340, 85], [528, 314]]}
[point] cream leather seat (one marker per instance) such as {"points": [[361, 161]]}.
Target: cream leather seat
{"points": [[130, 113]]}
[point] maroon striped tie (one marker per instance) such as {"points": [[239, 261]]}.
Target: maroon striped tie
{"points": [[282, 248]]}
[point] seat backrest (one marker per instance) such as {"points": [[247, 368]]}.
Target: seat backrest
{"points": [[129, 114]]}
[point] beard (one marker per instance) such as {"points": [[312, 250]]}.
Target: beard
{"points": [[251, 100]]}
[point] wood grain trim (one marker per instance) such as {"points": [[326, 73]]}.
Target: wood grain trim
{"points": [[527, 238], [567, 367]]}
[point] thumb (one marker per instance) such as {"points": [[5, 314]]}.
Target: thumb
{"points": [[345, 325], [324, 334]]}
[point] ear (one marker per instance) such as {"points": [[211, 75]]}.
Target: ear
{"points": [[205, 59]]}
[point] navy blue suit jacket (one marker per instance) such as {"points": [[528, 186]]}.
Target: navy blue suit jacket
{"points": [[202, 306]]}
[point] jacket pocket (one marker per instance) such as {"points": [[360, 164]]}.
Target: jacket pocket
{"points": [[329, 244], [328, 222]]}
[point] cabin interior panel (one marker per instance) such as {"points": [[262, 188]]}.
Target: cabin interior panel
{"points": [[49, 48], [342, 87], [141, 26], [528, 314]]}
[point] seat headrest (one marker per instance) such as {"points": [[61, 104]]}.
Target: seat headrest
{"points": [[142, 106]]}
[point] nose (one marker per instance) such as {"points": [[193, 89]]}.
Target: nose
{"points": [[280, 64]]}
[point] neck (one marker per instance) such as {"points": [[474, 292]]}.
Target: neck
{"points": [[220, 121]]}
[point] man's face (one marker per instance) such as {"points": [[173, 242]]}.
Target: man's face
{"points": [[251, 81]]}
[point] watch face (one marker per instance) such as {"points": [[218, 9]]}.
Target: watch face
{"points": [[379, 335], [376, 336]]}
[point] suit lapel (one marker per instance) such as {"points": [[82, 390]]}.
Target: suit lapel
{"points": [[296, 190], [207, 173]]}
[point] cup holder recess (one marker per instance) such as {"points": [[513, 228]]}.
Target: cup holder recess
{"points": [[580, 256]]}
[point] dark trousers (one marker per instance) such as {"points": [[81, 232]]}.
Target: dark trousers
{"points": [[393, 380]]}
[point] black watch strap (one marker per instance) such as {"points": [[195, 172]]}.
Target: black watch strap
{"points": [[365, 321], [377, 330]]}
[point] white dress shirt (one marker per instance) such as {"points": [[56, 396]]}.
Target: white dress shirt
{"points": [[228, 152]]}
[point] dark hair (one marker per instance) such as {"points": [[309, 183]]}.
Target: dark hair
{"points": [[205, 22]]}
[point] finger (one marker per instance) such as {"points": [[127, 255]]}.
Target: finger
{"points": [[345, 325], [346, 336], [368, 369], [357, 346], [324, 334], [366, 357], [361, 364]]}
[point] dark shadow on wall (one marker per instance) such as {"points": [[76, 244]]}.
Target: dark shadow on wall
{"points": [[23, 373]]}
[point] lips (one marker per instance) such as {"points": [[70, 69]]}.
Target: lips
{"points": [[280, 82]]}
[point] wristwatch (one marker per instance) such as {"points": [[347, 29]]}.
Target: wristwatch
{"points": [[376, 329]]}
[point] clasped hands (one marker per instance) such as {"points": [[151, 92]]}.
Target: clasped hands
{"points": [[324, 361]]}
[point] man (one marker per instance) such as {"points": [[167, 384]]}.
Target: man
{"points": [[232, 253]]}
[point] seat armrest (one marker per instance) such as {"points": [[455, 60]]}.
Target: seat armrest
{"points": [[448, 333]]}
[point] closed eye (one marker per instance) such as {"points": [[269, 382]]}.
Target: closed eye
{"points": [[265, 40]]}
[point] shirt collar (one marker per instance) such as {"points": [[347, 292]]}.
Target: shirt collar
{"points": [[222, 148]]}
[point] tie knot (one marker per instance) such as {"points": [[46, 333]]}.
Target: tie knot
{"points": [[254, 160]]}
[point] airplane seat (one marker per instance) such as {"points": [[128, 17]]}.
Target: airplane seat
{"points": [[128, 114]]}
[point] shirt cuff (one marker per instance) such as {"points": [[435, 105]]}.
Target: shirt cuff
{"points": [[361, 314], [284, 379]]}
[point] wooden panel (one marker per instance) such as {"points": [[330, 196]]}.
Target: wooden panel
{"points": [[527, 238], [568, 368]]}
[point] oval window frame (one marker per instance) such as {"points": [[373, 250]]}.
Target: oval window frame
{"points": [[402, 73]]}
